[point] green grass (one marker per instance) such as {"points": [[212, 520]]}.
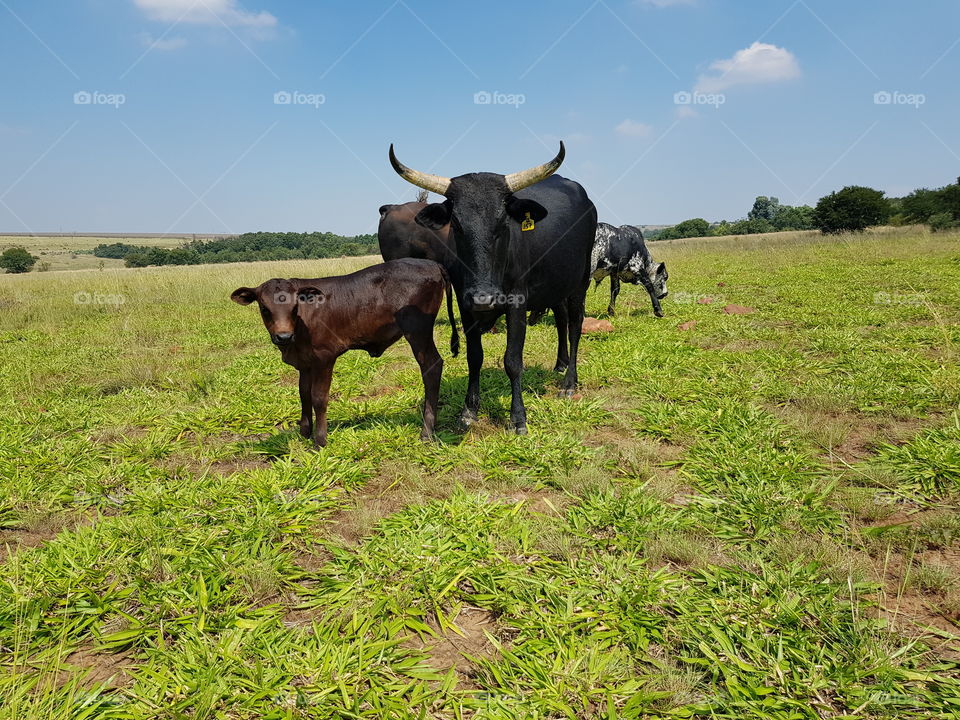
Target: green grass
{"points": [[757, 517]]}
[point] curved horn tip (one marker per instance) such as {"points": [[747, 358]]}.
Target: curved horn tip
{"points": [[433, 183]]}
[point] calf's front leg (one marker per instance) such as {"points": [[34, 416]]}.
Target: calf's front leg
{"points": [[319, 394], [306, 404]]}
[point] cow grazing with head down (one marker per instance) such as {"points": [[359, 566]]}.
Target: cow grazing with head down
{"points": [[313, 322], [522, 242], [620, 253]]}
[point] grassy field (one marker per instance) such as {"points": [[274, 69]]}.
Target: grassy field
{"points": [[74, 252], [755, 516]]}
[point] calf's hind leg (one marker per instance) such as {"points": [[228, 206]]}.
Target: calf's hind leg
{"points": [[431, 370], [319, 394]]}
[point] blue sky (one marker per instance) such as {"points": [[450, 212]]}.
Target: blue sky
{"points": [[177, 128]]}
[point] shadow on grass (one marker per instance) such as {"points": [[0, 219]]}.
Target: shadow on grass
{"points": [[495, 399]]}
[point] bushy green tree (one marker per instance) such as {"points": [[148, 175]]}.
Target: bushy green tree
{"points": [[920, 205], [695, 227], [764, 208], [800, 217], [942, 221], [852, 209], [17, 260], [136, 259]]}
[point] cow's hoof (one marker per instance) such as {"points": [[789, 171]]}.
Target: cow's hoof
{"points": [[658, 314], [427, 436], [306, 431], [467, 418], [567, 393], [559, 368], [519, 430]]}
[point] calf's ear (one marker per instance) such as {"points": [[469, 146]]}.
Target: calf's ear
{"points": [[662, 269], [518, 209], [243, 296], [434, 215]]}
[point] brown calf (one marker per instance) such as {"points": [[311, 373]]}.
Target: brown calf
{"points": [[314, 322]]}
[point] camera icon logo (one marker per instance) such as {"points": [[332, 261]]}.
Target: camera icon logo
{"points": [[82, 98], [282, 98], [682, 98], [882, 98], [482, 98]]}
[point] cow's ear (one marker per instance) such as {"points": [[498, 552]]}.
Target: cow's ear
{"points": [[518, 208], [434, 215], [311, 295], [662, 269], [243, 296], [384, 209]]}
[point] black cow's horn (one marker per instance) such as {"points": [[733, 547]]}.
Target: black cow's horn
{"points": [[433, 183], [526, 178]]}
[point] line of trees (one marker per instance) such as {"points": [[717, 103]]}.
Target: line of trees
{"points": [[248, 247], [852, 209]]}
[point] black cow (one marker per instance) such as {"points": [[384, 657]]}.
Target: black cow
{"points": [[522, 242], [313, 322], [619, 252], [400, 236]]}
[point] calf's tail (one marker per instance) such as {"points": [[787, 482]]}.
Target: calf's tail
{"points": [[454, 333]]}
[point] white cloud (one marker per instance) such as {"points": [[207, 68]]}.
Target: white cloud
{"points": [[757, 64], [632, 128], [164, 43], [205, 12]]}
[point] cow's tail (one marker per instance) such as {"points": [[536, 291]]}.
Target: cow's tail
{"points": [[454, 333]]}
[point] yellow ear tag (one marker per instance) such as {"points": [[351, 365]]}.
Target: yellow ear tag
{"points": [[527, 223]]}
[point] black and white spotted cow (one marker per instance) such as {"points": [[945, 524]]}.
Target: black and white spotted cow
{"points": [[620, 253]]}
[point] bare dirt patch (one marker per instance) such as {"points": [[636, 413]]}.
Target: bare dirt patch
{"points": [[39, 529], [379, 392], [13, 540], [905, 603], [451, 649], [98, 668], [849, 437]]}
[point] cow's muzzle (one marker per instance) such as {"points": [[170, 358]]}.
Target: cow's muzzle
{"points": [[282, 339], [485, 300]]}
